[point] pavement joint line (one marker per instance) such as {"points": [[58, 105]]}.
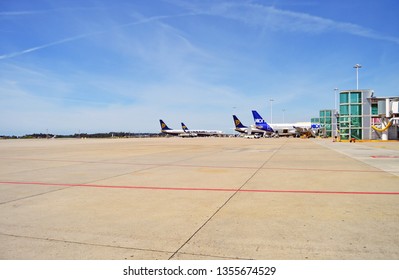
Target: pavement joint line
{"points": [[83, 243], [30, 196], [116, 247], [82, 185], [38, 169], [227, 201], [155, 165], [213, 256], [143, 169]]}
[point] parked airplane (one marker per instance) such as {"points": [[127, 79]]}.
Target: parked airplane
{"points": [[201, 132], [245, 129], [282, 129], [167, 130]]}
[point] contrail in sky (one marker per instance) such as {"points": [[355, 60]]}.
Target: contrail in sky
{"points": [[14, 54], [74, 38]]}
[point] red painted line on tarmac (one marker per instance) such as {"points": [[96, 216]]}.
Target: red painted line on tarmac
{"points": [[201, 189], [384, 156]]}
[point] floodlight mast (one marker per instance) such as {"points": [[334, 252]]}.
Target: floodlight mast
{"points": [[334, 129], [357, 66], [271, 110]]}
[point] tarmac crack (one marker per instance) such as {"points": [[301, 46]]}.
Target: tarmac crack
{"points": [[91, 181], [113, 246], [227, 201], [84, 243], [151, 167], [34, 195], [72, 185]]}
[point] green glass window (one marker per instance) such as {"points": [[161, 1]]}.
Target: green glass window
{"points": [[328, 113], [321, 114], [374, 109], [356, 122], [356, 133], [344, 110], [356, 97], [356, 109], [345, 124], [344, 134], [328, 126], [343, 97], [328, 120]]}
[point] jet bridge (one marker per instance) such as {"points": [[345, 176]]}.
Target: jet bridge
{"points": [[388, 111]]}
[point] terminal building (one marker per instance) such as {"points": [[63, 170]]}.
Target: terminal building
{"points": [[361, 116], [327, 122]]}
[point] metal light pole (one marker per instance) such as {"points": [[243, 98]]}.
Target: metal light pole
{"points": [[334, 128], [335, 98], [271, 110], [357, 66]]}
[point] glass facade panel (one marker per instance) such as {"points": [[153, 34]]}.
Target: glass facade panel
{"points": [[325, 122], [356, 110], [374, 109], [356, 97], [343, 97], [356, 122], [356, 133], [344, 110], [344, 133]]}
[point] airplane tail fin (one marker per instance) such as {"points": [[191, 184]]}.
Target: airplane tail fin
{"points": [[163, 125], [184, 127], [238, 123], [259, 121], [257, 118]]}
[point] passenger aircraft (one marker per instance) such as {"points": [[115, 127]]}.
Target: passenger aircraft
{"points": [[245, 129], [201, 132], [167, 130], [282, 129]]}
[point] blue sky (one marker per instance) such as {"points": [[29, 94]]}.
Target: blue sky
{"points": [[99, 65]]}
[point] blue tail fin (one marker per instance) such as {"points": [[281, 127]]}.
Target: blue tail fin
{"points": [[260, 122], [238, 123], [258, 118], [164, 126], [184, 127]]}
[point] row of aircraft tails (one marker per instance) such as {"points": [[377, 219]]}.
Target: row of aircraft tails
{"points": [[185, 132], [260, 128]]}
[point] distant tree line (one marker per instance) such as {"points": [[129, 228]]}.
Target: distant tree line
{"points": [[84, 135]]}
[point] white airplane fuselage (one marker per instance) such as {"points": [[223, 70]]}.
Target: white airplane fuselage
{"points": [[290, 129], [202, 132]]}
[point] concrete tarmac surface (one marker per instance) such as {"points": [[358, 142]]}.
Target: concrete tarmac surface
{"points": [[200, 198]]}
